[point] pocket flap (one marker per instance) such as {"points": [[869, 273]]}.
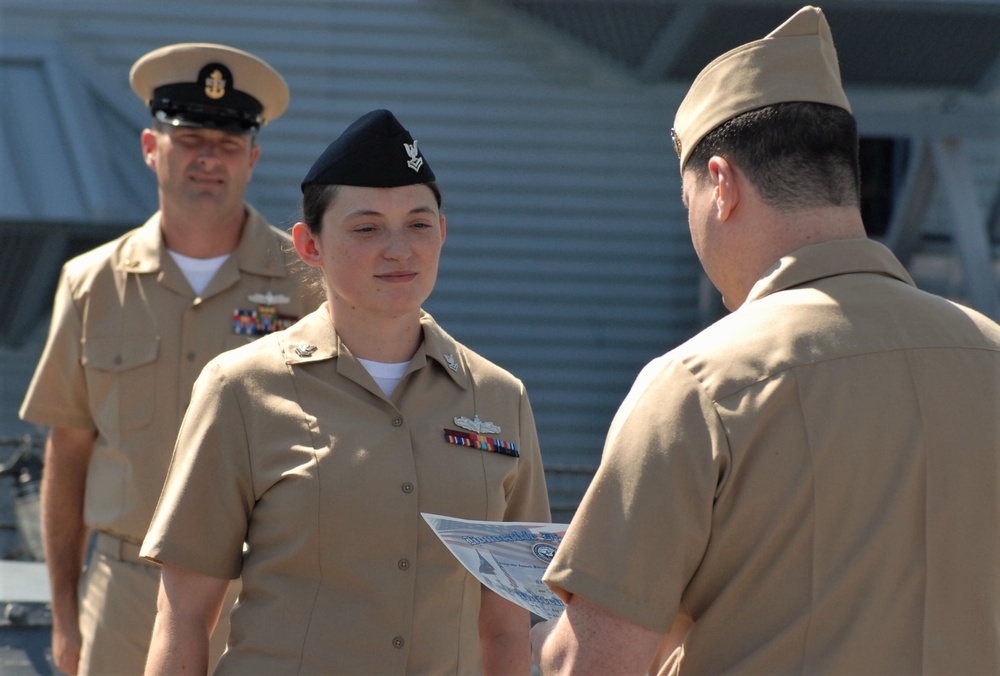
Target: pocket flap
{"points": [[120, 355]]}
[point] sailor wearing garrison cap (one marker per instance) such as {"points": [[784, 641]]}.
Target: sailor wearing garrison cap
{"points": [[133, 324], [374, 151], [322, 445], [756, 510], [797, 61]]}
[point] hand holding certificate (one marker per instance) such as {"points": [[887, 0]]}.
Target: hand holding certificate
{"points": [[508, 557]]}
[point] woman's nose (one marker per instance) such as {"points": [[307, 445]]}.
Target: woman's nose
{"points": [[397, 246]]}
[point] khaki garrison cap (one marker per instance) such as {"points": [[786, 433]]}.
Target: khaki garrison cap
{"points": [[795, 62], [196, 84]]}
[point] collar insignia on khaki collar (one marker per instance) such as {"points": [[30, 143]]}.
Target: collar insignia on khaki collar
{"points": [[305, 349], [452, 364]]}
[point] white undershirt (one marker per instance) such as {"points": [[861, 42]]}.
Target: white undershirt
{"points": [[199, 271], [386, 375]]}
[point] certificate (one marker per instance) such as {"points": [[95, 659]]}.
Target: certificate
{"points": [[508, 557]]}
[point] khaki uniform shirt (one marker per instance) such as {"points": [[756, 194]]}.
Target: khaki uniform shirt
{"points": [[296, 450], [815, 479], [127, 340]]}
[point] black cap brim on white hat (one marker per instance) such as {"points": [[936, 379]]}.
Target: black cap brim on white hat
{"points": [[197, 84]]}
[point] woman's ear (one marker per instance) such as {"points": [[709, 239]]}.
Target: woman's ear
{"points": [[305, 245]]}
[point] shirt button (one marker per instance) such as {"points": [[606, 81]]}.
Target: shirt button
{"points": [[190, 356], [398, 642], [407, 487], [118, 360], [397, 421], [404, 564]]}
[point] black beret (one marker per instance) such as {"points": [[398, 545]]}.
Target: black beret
{"points": [[374, 152]]}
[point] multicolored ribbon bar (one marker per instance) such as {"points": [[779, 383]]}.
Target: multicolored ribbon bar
{"points": [[482, 442]]}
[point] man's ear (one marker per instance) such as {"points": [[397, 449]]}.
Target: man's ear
{"points": [[305, 245], [727, 191], [254, 155], [148, 142]]}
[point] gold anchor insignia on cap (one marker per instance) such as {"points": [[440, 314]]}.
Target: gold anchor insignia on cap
{"points": [[415, 161], [477, 425], [215, 85], [451, 362], [305, 349]]}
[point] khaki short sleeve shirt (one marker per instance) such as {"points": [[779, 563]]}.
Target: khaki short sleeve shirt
{"points": [[295, 449], [127, 339], [814, 479]]}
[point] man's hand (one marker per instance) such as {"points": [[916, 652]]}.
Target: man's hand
{"points": [[66, 643]]}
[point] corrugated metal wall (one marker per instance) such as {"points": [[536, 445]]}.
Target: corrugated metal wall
{"points": [[567, 260]]}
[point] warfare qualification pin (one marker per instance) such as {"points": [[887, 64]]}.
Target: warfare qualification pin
{"points": [[476, 425], [269, 298]]}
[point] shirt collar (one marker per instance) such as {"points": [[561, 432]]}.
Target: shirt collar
{"points": [[143, 249], [828, 259], [256, 253], [314, 339], [445, 350], [311, 339]]}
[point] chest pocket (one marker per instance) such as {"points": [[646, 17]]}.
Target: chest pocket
{"points": [[121, 381]]}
